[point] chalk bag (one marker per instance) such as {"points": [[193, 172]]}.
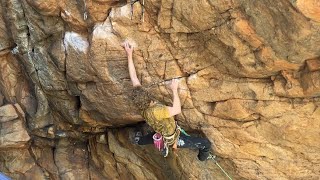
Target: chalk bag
{"points": [[158, 141]]}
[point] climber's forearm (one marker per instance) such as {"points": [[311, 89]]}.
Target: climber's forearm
{"points": [[132, 72], [176, 106]]}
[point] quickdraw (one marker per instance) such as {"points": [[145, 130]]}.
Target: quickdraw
{"points": [[182, 130], [161, 143], [142, 8], [85, 14]]}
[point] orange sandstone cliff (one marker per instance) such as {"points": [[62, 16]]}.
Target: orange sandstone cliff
{"points": [[250, 83]]}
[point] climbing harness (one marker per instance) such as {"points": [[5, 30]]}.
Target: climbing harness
{"points": [[142, 8], [162, 142], [159, 144], [215, 161], [170, 140]]}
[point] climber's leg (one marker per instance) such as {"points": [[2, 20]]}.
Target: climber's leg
{"points": [[203, 144]]}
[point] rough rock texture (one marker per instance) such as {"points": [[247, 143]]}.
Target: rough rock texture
{"points": [[13, 131], [249, 81]]}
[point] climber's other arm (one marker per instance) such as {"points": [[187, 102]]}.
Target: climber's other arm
{"points": [[132, 70], [176, 105]]}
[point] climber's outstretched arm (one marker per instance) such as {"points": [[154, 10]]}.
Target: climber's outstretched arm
{"points": [[176, 105], [132, 70]]}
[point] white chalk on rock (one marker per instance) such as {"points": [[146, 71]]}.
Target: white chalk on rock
{"points": [[102, 31], [76, 41], [192, 77], [123, 11]]}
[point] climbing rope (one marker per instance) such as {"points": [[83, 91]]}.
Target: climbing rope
{"points": [[164, 81], [214, 160], [142, 8]]}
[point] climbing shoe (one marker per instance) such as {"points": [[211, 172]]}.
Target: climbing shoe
{"points": [[135, 136], [138, 135]]}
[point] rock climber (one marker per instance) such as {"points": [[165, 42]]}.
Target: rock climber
{"points": [[161, 117]]}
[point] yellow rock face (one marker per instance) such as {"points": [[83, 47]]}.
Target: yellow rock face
{"points": [[249, 74], [310, 8]]}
